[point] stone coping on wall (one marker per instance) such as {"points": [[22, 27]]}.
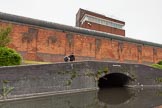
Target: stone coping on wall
{"points": [[64, 28]]}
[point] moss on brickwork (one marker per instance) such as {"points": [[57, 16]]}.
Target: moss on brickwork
{"points": [[100, 72], [6, 89], [158, 79], [73, 74]]}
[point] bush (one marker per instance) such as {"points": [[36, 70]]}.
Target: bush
{"points": [[157, 66], [160, 62], [9, 57]]}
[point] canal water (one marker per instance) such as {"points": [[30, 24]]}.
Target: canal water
{"points": [[103, 98]]}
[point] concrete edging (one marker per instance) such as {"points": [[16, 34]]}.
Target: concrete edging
{"points": [[37, 95]]}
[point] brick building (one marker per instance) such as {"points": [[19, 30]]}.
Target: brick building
{"points": [[46, 41], [99, 22]]}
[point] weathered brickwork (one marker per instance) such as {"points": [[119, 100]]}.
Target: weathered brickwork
{"points": [[46, 44]]}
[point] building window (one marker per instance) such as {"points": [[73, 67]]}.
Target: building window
{"points": [[101, 21]]}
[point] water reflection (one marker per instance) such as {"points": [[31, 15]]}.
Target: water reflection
{"points": [[114, 96], [104, 98]]}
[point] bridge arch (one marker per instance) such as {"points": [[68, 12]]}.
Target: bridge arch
{"points": [[114, 80]]}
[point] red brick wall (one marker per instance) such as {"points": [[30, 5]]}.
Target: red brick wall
{"points": [[43, 44]]}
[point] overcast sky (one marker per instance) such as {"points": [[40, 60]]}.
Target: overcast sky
{"points": [[143, 17]]}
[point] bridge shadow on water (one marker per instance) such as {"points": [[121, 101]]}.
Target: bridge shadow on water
{"points": [[112, 89], [115, 96]]}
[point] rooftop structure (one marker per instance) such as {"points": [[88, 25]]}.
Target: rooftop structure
{"points": [[99, 22]]}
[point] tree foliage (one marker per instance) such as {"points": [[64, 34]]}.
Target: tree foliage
{"points": [[5, 36], [9, 57]]}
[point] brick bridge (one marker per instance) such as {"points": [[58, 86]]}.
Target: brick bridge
{"points": [[77, 76]]}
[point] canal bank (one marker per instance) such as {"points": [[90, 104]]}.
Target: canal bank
{"points": [[61, 78]]}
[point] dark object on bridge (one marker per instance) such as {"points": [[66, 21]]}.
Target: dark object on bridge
{"points": [[72, 57], [66, 58]]}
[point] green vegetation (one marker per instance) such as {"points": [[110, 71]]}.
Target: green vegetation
{"points": [[158, 66], [6, 89], [158, 80], [5, 36], [101, 72], [73, 74], [28, 62], [9, 57], [160, 62], [159, 93]]}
